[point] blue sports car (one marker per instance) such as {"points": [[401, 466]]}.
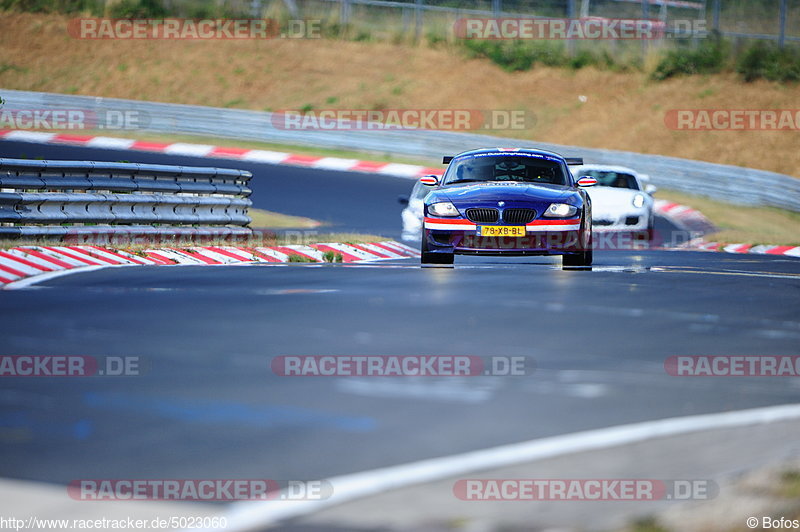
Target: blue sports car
{"points": [[498, 201]]}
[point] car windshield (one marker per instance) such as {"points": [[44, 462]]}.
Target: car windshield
{"points": [[610, 179], [526, 168], [420, 191]]}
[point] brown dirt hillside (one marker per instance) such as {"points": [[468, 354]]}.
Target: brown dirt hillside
{"points": [[621, 110]]}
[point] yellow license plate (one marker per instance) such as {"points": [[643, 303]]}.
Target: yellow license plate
{"points": [[502, 230]]}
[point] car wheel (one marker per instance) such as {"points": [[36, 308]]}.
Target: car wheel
{"points": [[426, 257], [436, 258], [651, 230], [581, 259]]}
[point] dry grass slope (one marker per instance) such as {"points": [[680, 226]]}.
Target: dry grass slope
{"points": [[622, 110]]}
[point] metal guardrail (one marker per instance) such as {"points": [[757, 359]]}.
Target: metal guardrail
{"points": [[744, 186], [56, 198]]}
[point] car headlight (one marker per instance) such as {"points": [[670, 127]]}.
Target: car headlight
{"points": [[638, 201], [560, 210], [443, 208]]}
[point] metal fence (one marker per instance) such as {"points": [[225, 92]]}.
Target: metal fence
{"points": [[734, 184], [776, 20], [57, 198]]}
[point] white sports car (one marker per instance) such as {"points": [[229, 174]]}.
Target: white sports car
{"points": [[413, 213], [622, 199]]}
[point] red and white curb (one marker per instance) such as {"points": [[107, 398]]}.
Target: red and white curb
{"points": [[693, 220], [684, 217], [204, 150], [25, 262], [757, 249]]}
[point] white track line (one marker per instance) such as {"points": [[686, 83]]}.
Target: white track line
{"points": [[249, 515], [36, 279]]}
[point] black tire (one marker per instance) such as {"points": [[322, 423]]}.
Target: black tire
{"points": [[436, 258], [582, 259], [433, 258]]}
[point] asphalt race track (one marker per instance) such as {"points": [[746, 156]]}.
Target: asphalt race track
{"points": [[347, 201], [208, 404]]}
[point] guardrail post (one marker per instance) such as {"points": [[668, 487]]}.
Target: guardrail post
{"points": [[782, 34], [571, 15], [292, 7], [645, 16], [418, 20], [345, 13]]}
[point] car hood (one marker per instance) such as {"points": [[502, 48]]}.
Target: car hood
{"points": [[612, 199], [474, 193]]}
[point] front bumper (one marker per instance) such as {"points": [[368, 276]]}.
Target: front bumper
{"points": [[543, 237], [625, 221]]}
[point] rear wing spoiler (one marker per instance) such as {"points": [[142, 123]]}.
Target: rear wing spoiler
{"points": [[572, 161]]}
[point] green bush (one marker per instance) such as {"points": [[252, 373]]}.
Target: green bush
{"points": [[768, 61], [584, 58], [710, 57], [53, 6], [137, 9], [435, 38], [523, 55], [332, 256], [515, 55]]}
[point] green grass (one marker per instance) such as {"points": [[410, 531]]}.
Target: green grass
{"points": [[711, 56], [743, 225], [300, 258], [274, 220], [790, 484], [646, 524], [332, 256], [764, 60]]}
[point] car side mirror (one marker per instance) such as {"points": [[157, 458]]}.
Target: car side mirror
{"points": [[402, 200], [429, 180], [650, 189], [587, 182]]}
